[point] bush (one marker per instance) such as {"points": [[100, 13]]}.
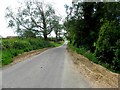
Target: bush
{"points": [[108, 45], [6, 44], [83, 51], [22, 45], [91, 56], [15, 46], [6, 57]]}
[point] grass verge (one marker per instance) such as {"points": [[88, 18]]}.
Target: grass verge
{"points": [[95, 74], [84, 52], [14, 47], [91, 56]]}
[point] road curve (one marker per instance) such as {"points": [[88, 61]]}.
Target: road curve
{"points": [[50, 69]]}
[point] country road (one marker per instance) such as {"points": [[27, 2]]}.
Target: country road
{"points": [[51, 69]]}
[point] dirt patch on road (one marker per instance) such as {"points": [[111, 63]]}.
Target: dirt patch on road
{"points": [[97, 75], [25, 56]]}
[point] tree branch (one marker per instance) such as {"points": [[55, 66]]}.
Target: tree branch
{"points": [[36, 23]]}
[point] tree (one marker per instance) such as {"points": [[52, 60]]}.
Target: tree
{"points": [[57, 26], [33, 15], [81, 23], [96, 27], [29, 34], [108, 45], [108, 42]]}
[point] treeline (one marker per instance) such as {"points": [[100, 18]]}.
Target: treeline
{"points": [[96, 27], [15, 46]]}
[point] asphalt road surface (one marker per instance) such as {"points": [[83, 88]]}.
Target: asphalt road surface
{"points": [[51, 69]]}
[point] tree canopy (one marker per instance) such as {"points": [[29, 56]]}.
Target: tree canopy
{"points": [[32, 16], [95, 26]]}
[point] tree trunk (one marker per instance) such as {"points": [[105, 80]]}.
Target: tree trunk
{"points": [[56, 38], [56, 35], [45, 36], [44, 26]]}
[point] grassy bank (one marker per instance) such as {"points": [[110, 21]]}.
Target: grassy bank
{"points": [[16, 46], [83, 51], [91, 56]]}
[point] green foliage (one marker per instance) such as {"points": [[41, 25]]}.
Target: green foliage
{"points": [[21, 45], [108, 45], [91, 56], [0, 53], [95, 27], [29, 34], [83, 51], [6, 57], [83, 23], [33, 18], [15, 46], [56, 44]]}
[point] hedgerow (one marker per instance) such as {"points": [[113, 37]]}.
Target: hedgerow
{"points": [[15, 46]]}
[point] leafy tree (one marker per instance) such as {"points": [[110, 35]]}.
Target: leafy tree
{"points": [[95, 26], [82, 22], [107, 45], [33, 15], [29, 34], [57, 27]]}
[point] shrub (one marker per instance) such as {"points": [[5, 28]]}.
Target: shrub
{"points": [[22, 45], [6, 44], [108, 45], [83, 51], [6, 57], [15, 46]]}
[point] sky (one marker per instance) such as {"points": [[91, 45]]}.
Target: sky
{"points": [[5, 31]]}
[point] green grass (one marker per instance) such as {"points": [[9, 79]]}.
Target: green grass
{"points": [[15, 46], [56, 44], [91, 56], [0, 59], [83, 51]]}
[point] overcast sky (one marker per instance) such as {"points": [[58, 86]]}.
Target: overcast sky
{"points": [[5, 31]]}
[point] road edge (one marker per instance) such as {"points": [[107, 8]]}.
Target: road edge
{"points": [[97, 80]]}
